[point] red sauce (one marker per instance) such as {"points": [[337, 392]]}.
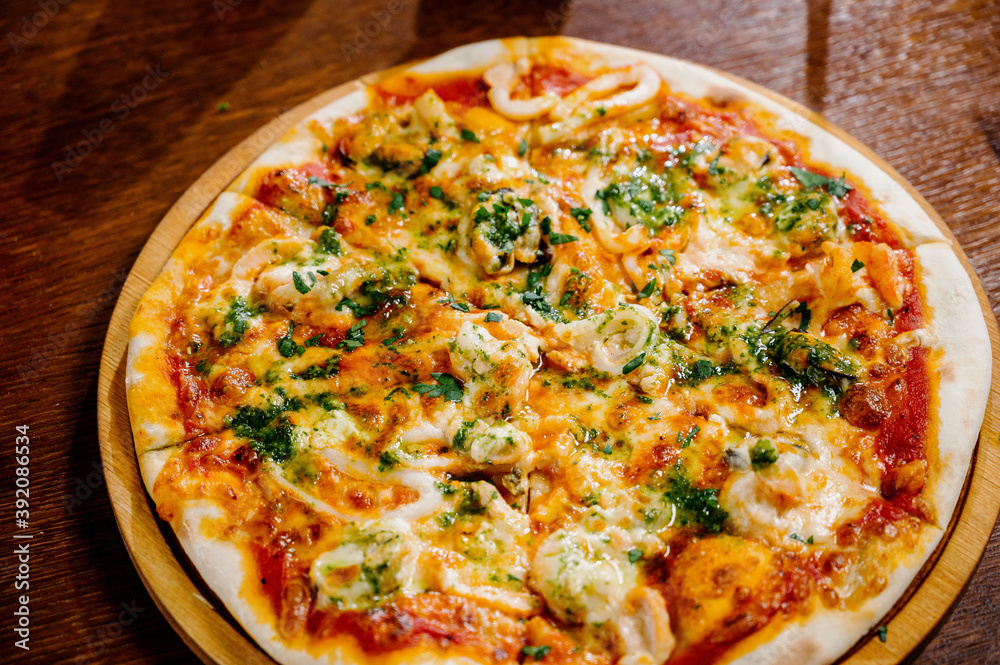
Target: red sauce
{"points": [[863, 223], [547, 78], [911, 315], [463, 89], [428, 618], [903, 435]]}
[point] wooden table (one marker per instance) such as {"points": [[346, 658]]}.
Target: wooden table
{"points": [[110, 109]]}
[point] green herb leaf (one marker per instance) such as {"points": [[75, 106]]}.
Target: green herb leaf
{"points": [[857, 265], [634, 364], [702, 369], [685, 439], [286, 345], [494, 317], [369, 220], [448, 387], [329, 242], [451, 302], [582, 216], [713, 166], [431, 158], [804, 316], [634, 555], [300, 284], [536, 652], [561, 238], [763, 454], [670, 255], [469, 135], [396, 203], [355, 336], [647, 290], [837, 187], [436, 192], [693, 504], [313, 180], [522, 148], [883, 633]]}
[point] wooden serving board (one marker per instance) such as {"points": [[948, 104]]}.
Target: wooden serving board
{"points": [[215, 637]]}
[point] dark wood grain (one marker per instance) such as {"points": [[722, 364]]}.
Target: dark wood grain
{"points": [[919, 82]]}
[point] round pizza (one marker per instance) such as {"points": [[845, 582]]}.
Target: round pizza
{"points": [[551, 351]]}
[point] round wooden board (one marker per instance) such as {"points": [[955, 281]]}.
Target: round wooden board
{"points": [[211, 633]]}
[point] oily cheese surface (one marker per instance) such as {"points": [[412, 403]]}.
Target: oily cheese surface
{"points": [[658, 356]]}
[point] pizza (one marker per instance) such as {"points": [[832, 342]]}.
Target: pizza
{"points": [[552, 351]]}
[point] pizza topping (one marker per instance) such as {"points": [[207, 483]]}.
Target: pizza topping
{"points": [[556, 366]]}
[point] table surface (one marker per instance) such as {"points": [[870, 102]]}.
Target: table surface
{"points": [[111, 108]]}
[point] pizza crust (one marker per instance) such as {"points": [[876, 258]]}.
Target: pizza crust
{"points": [[959, 331], [300, 145], [820, 638], [152, 398], [224, 567]]}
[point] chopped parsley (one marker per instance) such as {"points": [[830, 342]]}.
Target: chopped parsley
{"points": [[494, 317], [396, 203], [857, 265], [582, 217], [670, 255], [713, 166], [796, 537], [469, 135], [458, 442], [329, 242], [300, 283], [436, 192], [685, 439], [287, 346], [534, 297], [239, 315], [386, 461], [313, 180], [536, 652], [269, 431], [431, 158], [635, 363], [883, 633], [448, 387], [355, 336], [634, 555], [702, 369], [454, 304], [694, 505], [836, 186], [522, 148], [647, 290], [646, 197], [804, 316], [763, 454], [561, 238]]}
